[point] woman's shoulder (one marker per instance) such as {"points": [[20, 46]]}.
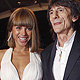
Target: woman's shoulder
{"points": [[40, 49], [2, 52]]}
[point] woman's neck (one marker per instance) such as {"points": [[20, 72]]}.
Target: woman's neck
{"points": [[21, 48]]}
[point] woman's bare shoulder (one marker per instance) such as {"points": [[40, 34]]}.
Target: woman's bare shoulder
{"points": [[40, 49], [2, 53]]}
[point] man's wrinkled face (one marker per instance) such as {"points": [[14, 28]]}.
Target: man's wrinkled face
{"points": [[60, 18]]}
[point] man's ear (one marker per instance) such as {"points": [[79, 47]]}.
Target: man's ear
{"points": [[75, 18]]}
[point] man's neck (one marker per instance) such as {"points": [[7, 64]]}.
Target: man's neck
{"points": [[64, 37]]}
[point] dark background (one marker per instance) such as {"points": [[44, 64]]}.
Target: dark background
{"points": [[44, 30]]}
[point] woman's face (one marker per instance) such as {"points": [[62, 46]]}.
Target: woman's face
{"points": [[21, 35]]}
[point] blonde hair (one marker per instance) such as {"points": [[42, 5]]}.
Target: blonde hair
{"points": [[24, 17]]}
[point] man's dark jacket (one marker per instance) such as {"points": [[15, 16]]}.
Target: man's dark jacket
{"points": [[72, 71]]}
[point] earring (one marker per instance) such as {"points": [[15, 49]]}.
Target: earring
{"points": [[10, 36]]}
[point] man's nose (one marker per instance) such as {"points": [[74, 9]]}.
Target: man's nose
{"points": [[55, 15]]}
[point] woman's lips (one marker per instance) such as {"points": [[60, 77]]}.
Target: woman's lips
{"points": [[23, 39]]}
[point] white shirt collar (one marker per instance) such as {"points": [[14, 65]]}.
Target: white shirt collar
{"points": [[67, 42]]}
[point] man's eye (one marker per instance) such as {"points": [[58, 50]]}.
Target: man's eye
{"points": [[51, 12], [60, 10]]}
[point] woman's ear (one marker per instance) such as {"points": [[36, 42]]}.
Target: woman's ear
{"points": [[74, 19]]}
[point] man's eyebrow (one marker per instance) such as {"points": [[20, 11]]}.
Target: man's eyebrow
{"points": [[57, 8], [60, 8], [50, 10]]}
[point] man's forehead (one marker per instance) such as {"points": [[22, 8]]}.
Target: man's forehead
{"points": [[59, 7]]}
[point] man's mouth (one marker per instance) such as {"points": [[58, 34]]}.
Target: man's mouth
{"points": [[57, 23]]}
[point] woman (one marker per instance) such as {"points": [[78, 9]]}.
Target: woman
{"points": [[21, 61]]}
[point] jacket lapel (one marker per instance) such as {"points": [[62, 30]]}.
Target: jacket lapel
{"points": [[74, 54], [52, 59]]}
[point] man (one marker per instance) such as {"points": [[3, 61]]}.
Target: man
{"points": [[61, 61]]}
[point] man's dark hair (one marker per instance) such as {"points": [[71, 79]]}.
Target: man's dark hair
{"points": [[72, 4]]}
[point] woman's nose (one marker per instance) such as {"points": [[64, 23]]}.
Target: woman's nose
{"points": [[24, 32]]}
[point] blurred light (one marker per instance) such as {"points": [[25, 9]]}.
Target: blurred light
{"points": [[35, 1], [19, 2]]}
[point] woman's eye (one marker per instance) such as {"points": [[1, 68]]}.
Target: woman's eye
{"points": [[18, 27], [29, 28]]}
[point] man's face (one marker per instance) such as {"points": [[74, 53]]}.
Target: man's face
{"points": [[60, 18]]}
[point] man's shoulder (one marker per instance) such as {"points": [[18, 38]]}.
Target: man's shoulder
{"points": [[48, 49]]}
